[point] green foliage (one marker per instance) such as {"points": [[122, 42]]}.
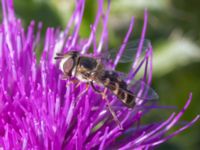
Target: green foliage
{"points": [[38, 11]]}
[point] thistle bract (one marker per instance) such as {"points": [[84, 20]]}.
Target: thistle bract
{"points": [[37, 108]]}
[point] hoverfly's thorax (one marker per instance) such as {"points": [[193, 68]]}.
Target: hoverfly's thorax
{"points": [[87, 64], [87, 69]]}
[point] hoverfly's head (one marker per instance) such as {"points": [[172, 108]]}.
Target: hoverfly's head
{"points": [[68, 62]]}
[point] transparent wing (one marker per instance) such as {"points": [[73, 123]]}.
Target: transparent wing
{"points": [[129, 51], [142, 90]]}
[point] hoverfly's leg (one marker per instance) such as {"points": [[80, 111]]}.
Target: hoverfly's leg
{"points": [[74, 81], [77, 85], [70, 81], [81, 94], [110, 109], [64, 77], [94, 88], [107, 104]]}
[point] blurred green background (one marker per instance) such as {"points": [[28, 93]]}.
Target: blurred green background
{"points": [[173, 28]]}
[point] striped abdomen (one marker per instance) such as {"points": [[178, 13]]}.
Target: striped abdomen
{"points": [[112, 81]]}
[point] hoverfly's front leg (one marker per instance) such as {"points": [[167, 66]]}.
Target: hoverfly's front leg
{"points": [[73, 81], [70, 80], [64, 77]]}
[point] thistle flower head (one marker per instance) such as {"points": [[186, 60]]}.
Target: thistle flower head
{"points": [[38, 110]]}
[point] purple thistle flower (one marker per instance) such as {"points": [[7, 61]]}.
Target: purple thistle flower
{"points": [[37, 109]]}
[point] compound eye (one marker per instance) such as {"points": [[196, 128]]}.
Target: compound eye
{"points": [[67, 65]]}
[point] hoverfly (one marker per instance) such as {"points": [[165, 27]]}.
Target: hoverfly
{"points": [[92, 71]]}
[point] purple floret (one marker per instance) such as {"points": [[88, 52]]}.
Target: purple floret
{"points": [[37, 107]]}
